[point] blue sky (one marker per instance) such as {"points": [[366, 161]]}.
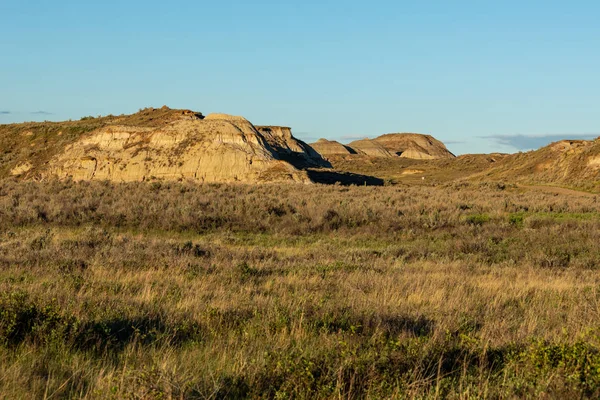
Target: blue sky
{"points": [[481, 76]]}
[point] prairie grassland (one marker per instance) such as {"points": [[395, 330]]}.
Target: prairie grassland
{"points": [[285, 291]]}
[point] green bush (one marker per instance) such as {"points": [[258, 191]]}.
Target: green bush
{"points": [[478, 219], [23, 319], [516, 219]]}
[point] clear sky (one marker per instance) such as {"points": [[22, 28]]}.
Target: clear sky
{"points": [[482, 76]]}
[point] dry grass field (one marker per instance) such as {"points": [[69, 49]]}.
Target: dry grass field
{"points": [[406, 171], [177, 291]]}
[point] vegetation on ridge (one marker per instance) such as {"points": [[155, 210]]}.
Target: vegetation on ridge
{"points": [[38, 142]]}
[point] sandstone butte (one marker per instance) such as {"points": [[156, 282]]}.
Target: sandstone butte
{"points": [[290, 149], [369, 147], [414, 145], [405, 145], [185, 146], [331, 147]]}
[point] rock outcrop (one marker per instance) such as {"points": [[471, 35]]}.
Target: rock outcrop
{"points": [[414, 145], [331, 148], [370, 147], [168, 144], [290, 149], [405, 145], [218, 148]]}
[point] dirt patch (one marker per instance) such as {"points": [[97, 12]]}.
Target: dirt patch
{"points": [[412, 171]]}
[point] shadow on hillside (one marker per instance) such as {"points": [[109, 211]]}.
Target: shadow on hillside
{"points": [[344, 178], [350, 149], [301, 161]]}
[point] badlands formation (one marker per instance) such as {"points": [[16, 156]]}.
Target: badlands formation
{"points": [[370, 147], [406, 145], [180, 145], [331, 147], [167, 144], [218, 148], [290, 149], [413, 145]]}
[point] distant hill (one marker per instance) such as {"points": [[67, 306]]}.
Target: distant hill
{"points": [[331, 147], [566, 162], [370, 147], [414, 145], [406, 145]]}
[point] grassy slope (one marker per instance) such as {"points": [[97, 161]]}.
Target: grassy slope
{"points": [[549, 166], [168, 290], [38, 142], [393, 170]]}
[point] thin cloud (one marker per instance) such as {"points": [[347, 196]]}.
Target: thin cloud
{"points": [[453, 141], [307, 137], [353, 137], [532, 142], [5, 112], [41, 113], [311, 137]]}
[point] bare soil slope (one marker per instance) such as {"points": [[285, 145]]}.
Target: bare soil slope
{"points": [[414, 145], [370, 147], [290, 149], [406, 145], [154, 144], [331, 147]]}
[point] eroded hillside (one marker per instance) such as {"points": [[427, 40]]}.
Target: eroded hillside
{"points": [[183, 145], [414, 145], [331, 147], [156, 144], [405, 145]]}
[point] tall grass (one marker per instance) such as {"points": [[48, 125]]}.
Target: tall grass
{"points": [[182, 291]]}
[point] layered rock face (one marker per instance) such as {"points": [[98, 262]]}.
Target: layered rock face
{"points": [[414, 145], [171, 144], [331, 148], [406, 145], [219, 148], [369, 147], [290, 149]]}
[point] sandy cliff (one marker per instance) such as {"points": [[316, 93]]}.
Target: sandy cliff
{"points": [[218, 148], [290, 149]]}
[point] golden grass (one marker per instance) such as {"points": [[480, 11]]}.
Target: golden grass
{"points": [[225, 291]]}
